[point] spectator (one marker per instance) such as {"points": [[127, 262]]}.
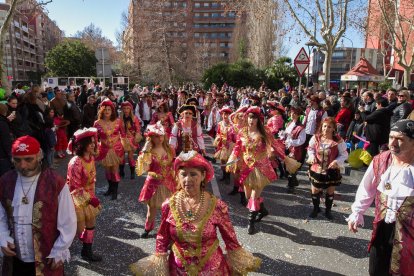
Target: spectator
{"points": [[377, 128], [5, 141], [344, 116], [356, 127], [89, 113], [369, 102], [58, 102], [18, 126], [72, 113], [403, 108]]}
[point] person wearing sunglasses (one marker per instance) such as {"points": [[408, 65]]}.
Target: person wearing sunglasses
{"points": [[403, 108]]}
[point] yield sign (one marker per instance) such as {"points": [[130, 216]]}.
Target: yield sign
{"points": [[301, 62]]}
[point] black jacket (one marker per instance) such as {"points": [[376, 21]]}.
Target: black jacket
{"points": [[400, 112], [89, 115], [377, 129], [5, 139]]}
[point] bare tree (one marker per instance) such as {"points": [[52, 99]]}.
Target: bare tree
{"points": [[14, 6], [329, 17], [258, 31], [395, 19]]}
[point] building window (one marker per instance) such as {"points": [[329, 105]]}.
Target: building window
{"points": [[215, 14], [196, 34], [196, 4], [215, 5], [206, 14], [197, 14], [206, 5]]}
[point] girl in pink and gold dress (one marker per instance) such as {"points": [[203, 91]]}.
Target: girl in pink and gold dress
{"points": [[189, 223], [156, 158]]}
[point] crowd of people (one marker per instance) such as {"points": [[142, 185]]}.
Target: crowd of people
{"points": [[259, 136]]}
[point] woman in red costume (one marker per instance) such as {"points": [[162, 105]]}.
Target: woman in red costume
{"points": [[254, 147], [111, 152], [224, 142], [163, 115], [81, 179], [239, 121], [189, 223], [130, 136], [327, 153], [156, 158]]}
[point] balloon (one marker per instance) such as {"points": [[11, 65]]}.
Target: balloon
{"points": [[2, 93]]}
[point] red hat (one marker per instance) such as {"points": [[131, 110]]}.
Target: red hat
{"points": [[276, 105], [226, 109], [256, 110], [108, 102], [127, 103], [193, 159], [25, 145], [82, 134], [241, 109]]}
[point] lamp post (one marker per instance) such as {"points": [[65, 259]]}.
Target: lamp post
{"points": [[352, 51], [310, 45]]}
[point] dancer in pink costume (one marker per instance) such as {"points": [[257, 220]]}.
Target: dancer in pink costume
{"points": [[156, 158], [255, 145], [81, 178], [130, 136], [111, 152]]}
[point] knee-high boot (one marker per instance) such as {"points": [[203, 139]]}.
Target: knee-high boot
{"points": [[262, 211], [292, 183], [254, 207], [87, 253], [110, 185], [316, 200], [132, 168], [328, 204], [116, 179], [148, 227], [122, 170]]}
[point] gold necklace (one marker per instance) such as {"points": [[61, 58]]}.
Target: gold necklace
{"points": [[189, 215], [25, 199]]}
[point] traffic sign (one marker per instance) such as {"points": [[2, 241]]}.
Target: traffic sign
{"points": [[301, 62]]}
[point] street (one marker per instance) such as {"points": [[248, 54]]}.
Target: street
{"points": [[286, 241]]}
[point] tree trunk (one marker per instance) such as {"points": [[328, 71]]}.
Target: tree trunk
{"points": [[407, 76], [327, 67]]}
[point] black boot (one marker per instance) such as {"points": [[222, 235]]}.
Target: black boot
{"points": [[243, 200], [228, 178], [132, 169], [234, 191], [328, 204], [252, 219], [122, 171], [316, 200], [115, 191], [110, 188], [262, 212], [223, 178], [88, 255], [145, 234], [292, 183], [281, 170]]}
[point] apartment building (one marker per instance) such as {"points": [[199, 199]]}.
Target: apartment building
{"points": [[181, 36], [31, 34]]}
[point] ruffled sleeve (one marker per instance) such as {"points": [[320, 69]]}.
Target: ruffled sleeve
{"points": [[241, 261], [154, 265], [226, 227], [234, 156], [143, 162]]}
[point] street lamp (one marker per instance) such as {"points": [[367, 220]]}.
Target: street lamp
{"points": [[352, 51], [311, 45]]}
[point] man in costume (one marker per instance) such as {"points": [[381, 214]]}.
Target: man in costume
{"points": [[37, 215], [389, 180]]}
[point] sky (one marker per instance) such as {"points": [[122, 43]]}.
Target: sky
{"points": [[74, 15]]}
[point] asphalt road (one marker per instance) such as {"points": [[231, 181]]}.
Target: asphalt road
{"points": [[286, 241]]}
